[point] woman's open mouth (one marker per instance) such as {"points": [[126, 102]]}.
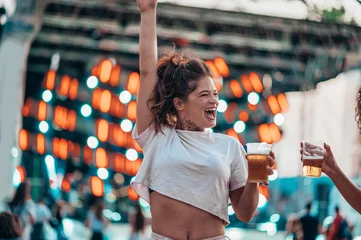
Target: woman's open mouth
{"points": [[211, 113]]}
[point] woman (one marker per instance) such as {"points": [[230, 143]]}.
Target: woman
{"points": [[188, 174], [23, 206], [96, 221], [348, 190], [10, 226]]}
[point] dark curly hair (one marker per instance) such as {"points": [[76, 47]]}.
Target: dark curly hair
{"points": [[10, 226], [178, 75], [358, 110]]}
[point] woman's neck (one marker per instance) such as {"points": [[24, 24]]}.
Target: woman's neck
{"points": [[186, 124]]}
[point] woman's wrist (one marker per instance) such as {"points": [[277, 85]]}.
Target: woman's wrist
{"points": [[148, 11]]}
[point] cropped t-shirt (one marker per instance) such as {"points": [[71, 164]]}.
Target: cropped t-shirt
{"points": [[197, 168]]}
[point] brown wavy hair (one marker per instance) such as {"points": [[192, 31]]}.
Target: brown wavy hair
{"points": [[178, 75], [10, 226], [358, 110]]}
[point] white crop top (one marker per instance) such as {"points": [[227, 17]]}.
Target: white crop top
{"points": [[198, 168]]}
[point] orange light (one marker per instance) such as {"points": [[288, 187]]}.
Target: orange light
{"points": [[40, 143], [105, 70], [22, 173], [88, 155], [96, 98], [246, 83], [64, 85], [119, 163], [65, 185], [76, 150], [71, 120], [27, 106], [229, 114], [97, 186], [105, 100], [222, 66], [236, 88], [282, 100], [50, 79], [102, 130], [132, 195], [101, 158], [115, 75], [252, 107], [273, 104], [119, 109], [132, 110], [42, 111], [275, 133], [243, 116], [231, 132], [133, 82], [95, 71], [264, 133], [23, 139], [213, 68], [56, 147], [63, 149], [73, 90], [256, 82]]}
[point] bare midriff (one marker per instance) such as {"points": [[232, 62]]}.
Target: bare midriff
{"points": [[177, 220]]}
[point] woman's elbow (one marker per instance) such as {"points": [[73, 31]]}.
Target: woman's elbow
{"points": [[245, 217]]}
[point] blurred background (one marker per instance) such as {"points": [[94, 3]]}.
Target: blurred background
{"points": [[287, 71]]}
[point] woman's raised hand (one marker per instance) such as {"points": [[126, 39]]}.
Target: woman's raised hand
{"points": [[145, 5]]}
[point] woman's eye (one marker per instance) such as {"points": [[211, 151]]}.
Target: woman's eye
{"points": [[204, 95]]}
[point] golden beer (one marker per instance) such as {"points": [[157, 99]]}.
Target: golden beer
{"points": [[257, 171], [312, 166]]}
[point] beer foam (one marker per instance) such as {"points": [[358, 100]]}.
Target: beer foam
{"points": [[312, 157], [258, 151], [258, 148]]}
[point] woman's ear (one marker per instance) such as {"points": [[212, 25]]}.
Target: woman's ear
{"points": [[178, 104]]}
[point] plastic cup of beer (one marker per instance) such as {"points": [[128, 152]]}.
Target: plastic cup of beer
{"points": [[312, 158], [257, 162]]}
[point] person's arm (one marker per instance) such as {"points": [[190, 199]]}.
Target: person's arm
{"points": [[244, 201], [148, 58], [348, 190]]}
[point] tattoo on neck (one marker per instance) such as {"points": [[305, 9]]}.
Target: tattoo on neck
{"points": [[189, 125]]}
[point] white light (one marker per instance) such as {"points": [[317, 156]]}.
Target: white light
{"points": [[103, 173], [92, 82], [253, 98], [126, 125], [16, 178], [131, 154], [86, 110], [43, 126], [222, 106], [14, 152], [125, 97], [262, 201], [3, 19], [68, 227], [275, 218], [92, 142], [132, 179], [47, 96], [107, 213], [279, 119], [49, 160], [116, 216], [209, 129], [239, 126], [143, 203], [230, 210], [274, 176]]}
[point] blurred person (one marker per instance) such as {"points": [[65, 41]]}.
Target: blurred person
{"points": [[137, 223], [96, 221], [294, 228], [23, 206], [339, 229], [42, 217], [57, 221], [187, 174], [350, 192], [10, 226], [310, 224]]}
